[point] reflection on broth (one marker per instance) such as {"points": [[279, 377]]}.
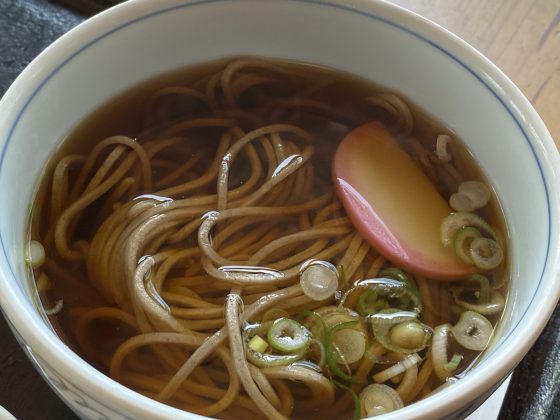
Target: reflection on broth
{"points": [[196, 251]]}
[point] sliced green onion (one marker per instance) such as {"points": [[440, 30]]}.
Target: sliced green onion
{"points": [[308, 364], [329, 315], [357, 409], [461, 202], [462, 242], [55, 309], [340, 316], [453, 364], [35, 255], [398, 274], [408, 335], [261, 359], [378, 399], [397, 369], [350, 345], [252, 329], [383, 322], [486, 253], [394, 292], [322, 353], [314, 322], [288, 335], [270, 360], [313, 315], [478, 193], [340, 327], [368, 303], [471, 196], [332, 356], [319, 280], [438, 351], [258, 344], [455, 221], [493, 307], [472, 331], [484, 288]]}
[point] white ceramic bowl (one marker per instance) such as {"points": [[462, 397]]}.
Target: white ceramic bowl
{"points": [[374, 40]]}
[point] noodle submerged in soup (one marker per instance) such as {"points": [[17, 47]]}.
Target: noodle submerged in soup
{"points": [[195, 250]]}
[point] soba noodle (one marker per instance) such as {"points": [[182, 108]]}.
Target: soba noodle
{"points": [[185, 238]]}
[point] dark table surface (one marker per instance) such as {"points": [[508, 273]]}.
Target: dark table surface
{"points": [[26, 28]]}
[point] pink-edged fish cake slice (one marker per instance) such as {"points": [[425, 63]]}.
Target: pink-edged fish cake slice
{"points": [[393, 204]]}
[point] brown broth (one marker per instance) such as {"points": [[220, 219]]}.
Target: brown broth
{"points": [[129, 114]]}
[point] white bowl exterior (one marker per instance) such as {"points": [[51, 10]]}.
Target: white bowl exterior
{"points": [[372, 40]]}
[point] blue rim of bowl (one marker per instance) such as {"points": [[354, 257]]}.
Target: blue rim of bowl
{"points": [[343, 7]]}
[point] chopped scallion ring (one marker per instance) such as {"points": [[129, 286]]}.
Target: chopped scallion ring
{"points": [[453, 364], [455, 221], [408, 335], [288, 335], [319, 280], [368, 303], [258, 344], [461, 202], [322, 352], [350, 345], [332, 354], [440, 342], [471, 196], [35, 255], [477, 191], [270, 360], [383, 290], [383, 323], [492, 307], [486, 253], [485, 291], [397, 369], [378, 399], [55, 309], [462, 242], [472, 331]]}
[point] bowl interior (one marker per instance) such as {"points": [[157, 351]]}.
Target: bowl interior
{"points": [[378, 42]]}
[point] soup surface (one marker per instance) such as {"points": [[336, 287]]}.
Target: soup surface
{"points": [[196, 250]]}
